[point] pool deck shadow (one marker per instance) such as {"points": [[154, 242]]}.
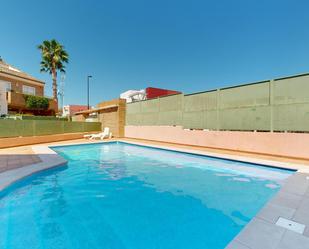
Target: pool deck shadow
{"points": [[291, 202]]}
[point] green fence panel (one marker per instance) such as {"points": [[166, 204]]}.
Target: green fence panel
{"points": [[170, 118], [149, 112], [149, 119], [279, 105], [133, 119], [250, 118], [210, 120], [291, 90], [92, 126], [291, 117], [149, 106], [133, 108], [24, 128], [170, 103], [170, 110], [199, 110], [28, 128], [46, 127], [29, 117], [9, 128], [133, 113], [71, 127], [200, 101], [161, 111], [200, 120], [194, 120], [245, 96]]}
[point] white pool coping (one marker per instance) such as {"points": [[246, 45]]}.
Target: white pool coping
{"points": [[275, 164], [302, 168], [291, 202]]}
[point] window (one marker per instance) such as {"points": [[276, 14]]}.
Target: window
{"points": [[28, 90], [8, 86]]}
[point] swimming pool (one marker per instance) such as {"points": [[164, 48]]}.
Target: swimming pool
{"points": [[121, 196]]}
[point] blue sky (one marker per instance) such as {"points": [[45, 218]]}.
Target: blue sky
{"points": [[190, 46]]}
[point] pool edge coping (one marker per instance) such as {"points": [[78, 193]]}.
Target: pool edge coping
{"points": [[297, 167], [49, 159], [289, 203]]}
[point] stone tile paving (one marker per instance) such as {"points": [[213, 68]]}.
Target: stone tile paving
{"points": [[14, 158], [292, 202], [48, 159]]}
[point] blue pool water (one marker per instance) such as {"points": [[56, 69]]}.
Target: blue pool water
{"points": [[121, 196]]}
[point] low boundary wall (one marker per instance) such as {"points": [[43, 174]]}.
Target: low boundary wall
{"points": [[292, 145], [20, 141]]}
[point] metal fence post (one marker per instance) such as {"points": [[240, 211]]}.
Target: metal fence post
{"points": [[271, 104], [218, 110], [182, 109]]}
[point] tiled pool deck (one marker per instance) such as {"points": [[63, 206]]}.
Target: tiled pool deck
{"points": [[292, 201], [14, 158]]}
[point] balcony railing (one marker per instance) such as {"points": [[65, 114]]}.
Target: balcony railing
{"points": [[17, 100]]}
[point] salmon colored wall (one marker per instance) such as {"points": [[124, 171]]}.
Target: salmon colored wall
{"points": [[295, 145]]}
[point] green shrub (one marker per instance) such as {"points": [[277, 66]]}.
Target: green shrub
{"points": [[36, 102]]}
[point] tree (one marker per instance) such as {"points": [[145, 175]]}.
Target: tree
{"points": [[54, 58]]}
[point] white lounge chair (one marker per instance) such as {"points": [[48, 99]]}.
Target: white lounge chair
{"points": [[105, 134]]}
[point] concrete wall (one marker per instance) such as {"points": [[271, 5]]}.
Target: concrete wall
{"points": [[113, 117], [294, 145]]}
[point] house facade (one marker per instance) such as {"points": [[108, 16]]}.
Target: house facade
{"points": [[18, 84]]}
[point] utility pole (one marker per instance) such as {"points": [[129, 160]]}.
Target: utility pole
{"points": [[88, 77], [61, 91]]}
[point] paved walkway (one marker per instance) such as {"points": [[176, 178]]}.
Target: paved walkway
{"points": [[17, 157], [268, 230]]}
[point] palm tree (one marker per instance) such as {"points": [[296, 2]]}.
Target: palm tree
{"points": [[53, 59]]}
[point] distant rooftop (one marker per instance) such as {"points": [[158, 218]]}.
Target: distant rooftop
{"points": [[13, 71]]}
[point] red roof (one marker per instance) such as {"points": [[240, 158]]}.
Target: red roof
{"points": [[77, 108], [152, 92]]}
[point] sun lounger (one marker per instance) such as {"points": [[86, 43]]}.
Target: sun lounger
{"points": [[105, 134]]}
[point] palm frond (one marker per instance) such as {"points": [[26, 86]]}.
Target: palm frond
{"points": [[53, 54], [54, 58]]}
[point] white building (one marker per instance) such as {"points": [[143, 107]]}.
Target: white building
{"points": [[69, 110], [133, 95]]}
